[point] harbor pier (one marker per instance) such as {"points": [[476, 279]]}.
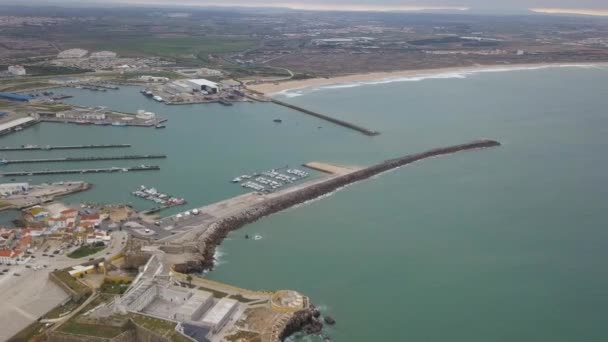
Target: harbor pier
{"points": [[81, 171], [64, 147], [82, 159], [338, 122]]}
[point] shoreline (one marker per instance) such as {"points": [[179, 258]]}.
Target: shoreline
{"points": [[271, 89]]}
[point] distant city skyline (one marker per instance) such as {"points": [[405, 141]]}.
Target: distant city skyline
{"points": [[584, 7]]}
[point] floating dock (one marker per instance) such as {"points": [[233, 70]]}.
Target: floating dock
{"points": [[82, 159], [328, 118], [65, 147], [81, 171]]}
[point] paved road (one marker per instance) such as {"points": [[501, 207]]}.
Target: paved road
{"points": [[28, 297]]}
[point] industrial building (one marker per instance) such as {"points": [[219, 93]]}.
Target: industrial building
{"points": [[73, 53], [144, 115], [81, 115], [13, 188], [202, 84], [15, 97], [16, 70], [103, 55]]}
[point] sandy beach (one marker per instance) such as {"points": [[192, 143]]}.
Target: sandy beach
{"points": [[277, 87]]}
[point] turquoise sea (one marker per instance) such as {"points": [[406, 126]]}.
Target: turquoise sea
{"points": [[503, 244]]}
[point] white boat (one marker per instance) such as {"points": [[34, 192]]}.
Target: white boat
{"points": [[158, 98], [237, 179], [257, 237]]}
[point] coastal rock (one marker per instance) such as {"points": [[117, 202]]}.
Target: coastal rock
{"points": [[302, 320], [191, 266], [329, 320]]}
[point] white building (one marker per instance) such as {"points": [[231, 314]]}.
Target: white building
{"points": [[202, 84], [146, 78], [103, 55], [17, 70], [220, 314], [13, 188], [73, 53], [9, 256], [81, 115], [209, 72], [143, 115]]}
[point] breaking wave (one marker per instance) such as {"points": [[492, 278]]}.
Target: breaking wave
{"points": [[462, 74]]}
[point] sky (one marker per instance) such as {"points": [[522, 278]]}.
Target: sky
{"points": [[591, 7]]}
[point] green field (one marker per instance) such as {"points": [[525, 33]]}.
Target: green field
{"points": [[85, 251], [159, 326], [73, 327]]}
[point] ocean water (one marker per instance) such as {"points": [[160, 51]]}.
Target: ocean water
{"points": [[502, 244]]}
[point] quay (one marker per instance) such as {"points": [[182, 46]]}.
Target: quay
{"points": [[64, 147], [17, 124], [338, 122], [81, 171], [82, 159]]}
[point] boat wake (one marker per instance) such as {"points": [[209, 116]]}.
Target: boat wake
{"points": [[462, 74]]}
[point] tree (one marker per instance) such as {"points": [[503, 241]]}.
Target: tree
{"points": [[189, 279]]}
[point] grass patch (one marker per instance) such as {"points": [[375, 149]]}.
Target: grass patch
{"points": [[5, 204], [159, 326], [70, 282], [169, 74], [33, 332], [61, 309], [113, 288], [106, 331], [84, 251], [25, 86], [54, 108], [242, 299], [216, 294], [241, 335]]}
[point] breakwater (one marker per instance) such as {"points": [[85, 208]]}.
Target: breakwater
{"points": [[81, 171], [83, 159], [218, 230], [65, 147], [339, 122]]}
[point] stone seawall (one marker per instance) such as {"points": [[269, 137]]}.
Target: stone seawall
{"points": [[217, 231]]}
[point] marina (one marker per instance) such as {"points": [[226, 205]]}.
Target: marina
{"points": [[82, 159], [271, 180], [80, 171], [163, 200], [60, 147]]}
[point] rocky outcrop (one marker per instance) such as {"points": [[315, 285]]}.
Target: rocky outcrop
{"points": [[218, 230], [191, 266], [303, 320]]}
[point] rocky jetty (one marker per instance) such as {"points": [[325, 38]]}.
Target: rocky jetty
{"points": [[217, 231]]}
